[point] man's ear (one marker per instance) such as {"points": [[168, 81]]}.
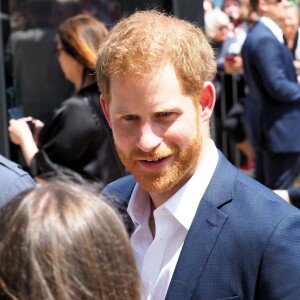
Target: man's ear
{"points": [[105, 110], [207, 101]]}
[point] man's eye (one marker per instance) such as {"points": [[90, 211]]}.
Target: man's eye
{"points": [[129, 117], [164, 114]]}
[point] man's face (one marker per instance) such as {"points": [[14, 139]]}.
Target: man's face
{"points": [[289, 22], [274, 9], [221, 33], [156, 129], [233, 9]]}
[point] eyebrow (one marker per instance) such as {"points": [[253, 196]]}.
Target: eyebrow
{"points": [[167, 108]]}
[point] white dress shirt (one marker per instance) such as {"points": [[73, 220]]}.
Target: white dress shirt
{"points": [[157, 258], [276, 30]]}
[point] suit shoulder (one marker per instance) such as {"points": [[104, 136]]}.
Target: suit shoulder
{"points": [[122, 187], [13, 180], [10, 168], [258, 33], [262, 198]]}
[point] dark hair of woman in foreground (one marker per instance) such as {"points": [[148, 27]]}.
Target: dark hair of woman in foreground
{"points": [[60, 241]]}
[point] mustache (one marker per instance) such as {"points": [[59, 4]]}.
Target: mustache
{"points": [[138, 154]]}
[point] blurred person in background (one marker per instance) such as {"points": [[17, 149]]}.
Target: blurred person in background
{"points": [[106, 11], [291, 195], [274, 109], [289, 24], [38, 85], [234, 10], [76, 138], [239, 15], [218, 29], [229, 65], [252, 17], [61, 241]]}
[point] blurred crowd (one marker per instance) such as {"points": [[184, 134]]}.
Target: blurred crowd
{"points": [[257, 92]]}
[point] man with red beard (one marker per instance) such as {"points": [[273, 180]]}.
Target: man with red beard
{"points": [[203, 230]]}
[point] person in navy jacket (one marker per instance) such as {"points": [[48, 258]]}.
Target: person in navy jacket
{"points": [[272, 113], [202, 229], [13, 180]]}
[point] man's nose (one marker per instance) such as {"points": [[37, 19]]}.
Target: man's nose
{"points": [[149, 138]]}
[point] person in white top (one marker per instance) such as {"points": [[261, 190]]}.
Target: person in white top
{"points": [[202, 229]]}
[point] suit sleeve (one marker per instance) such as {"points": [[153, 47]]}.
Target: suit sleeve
{"points": [[14, 186], [273, 70], [280, 266]]}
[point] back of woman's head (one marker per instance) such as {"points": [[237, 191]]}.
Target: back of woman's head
{"points": [[60, 241], [80, 37]]}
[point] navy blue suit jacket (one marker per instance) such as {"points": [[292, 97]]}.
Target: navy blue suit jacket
{"points": [[273, 112], [244, 242]]}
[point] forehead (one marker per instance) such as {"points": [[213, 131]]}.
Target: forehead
{"points": [[231, 3], [290, 12], [160, 80], [161, 87]]}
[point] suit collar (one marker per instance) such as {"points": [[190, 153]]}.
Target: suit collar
{"points": [[273, 27], [203, 234], [220, 188]]}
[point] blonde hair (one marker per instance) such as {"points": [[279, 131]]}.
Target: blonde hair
{"points": [[213, 20], [60, 241], [146, 41]]}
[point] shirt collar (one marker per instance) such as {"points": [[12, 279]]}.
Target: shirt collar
{"points": [[182, 205], [273, 27]]}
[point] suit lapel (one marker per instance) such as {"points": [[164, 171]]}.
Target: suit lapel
{"points": [[203, 234]]}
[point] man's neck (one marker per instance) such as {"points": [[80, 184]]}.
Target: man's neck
{"points": [[160, 198]]}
